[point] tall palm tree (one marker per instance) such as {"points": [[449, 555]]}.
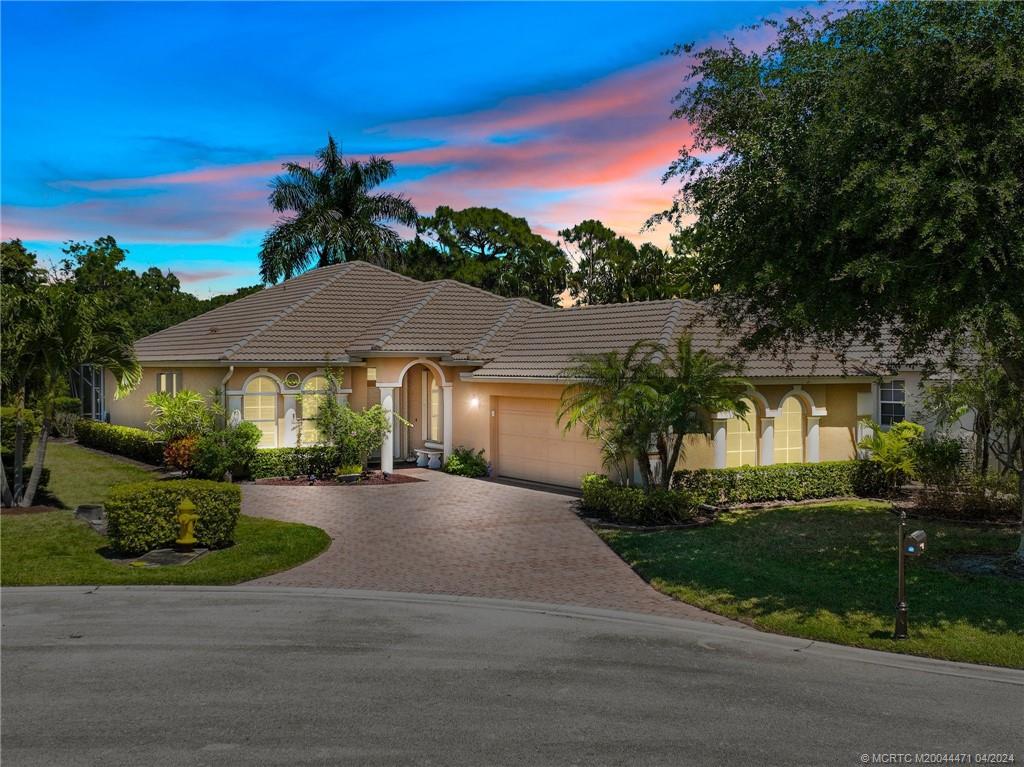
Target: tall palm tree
{"points": [[332, 215], [49, 333]]}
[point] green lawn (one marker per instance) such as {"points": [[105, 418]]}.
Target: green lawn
{"points": [[53, 548], [828, 572], [80, 476]]}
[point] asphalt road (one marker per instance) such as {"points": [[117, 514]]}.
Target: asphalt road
{"points": [[248, 676]]}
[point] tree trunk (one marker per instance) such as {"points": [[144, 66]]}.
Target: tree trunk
{"points": [[6, 498], [645, 469], [37, 465], [1020, 491], [19, 444]]}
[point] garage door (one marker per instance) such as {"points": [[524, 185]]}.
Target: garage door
{"points": [[531, 444]]}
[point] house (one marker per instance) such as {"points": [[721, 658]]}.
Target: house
{"points": [[467, 367]]}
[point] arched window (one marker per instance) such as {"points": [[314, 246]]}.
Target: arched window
{"points": [[314, 390], [789, 432], [259, 406], [741, 438]]}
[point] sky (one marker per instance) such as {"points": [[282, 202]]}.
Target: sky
{"points": [[162, 124]]}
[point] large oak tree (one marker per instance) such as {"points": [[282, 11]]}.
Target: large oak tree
{"points": [[864, 171]]}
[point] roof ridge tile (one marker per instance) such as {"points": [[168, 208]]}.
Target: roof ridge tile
{"points": [[404, 319], [266, 324], [498, 325]]}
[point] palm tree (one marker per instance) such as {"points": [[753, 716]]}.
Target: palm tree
{"points": [[332, 216], [611, 398], [650, 397], [49, 333]]}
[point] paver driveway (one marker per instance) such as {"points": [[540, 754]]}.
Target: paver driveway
{"points": [[451, 535]]}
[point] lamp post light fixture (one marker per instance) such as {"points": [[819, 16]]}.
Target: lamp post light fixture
{"points": [[911, 545]]}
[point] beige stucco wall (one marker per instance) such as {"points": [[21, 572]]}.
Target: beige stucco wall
{"points": [[475, 404], [132, 410]]}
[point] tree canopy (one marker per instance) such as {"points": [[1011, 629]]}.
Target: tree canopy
{"points": [[491, 249], [862, 173], [144, 303], [610, 269]]}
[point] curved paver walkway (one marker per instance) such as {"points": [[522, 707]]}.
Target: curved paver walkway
{"points": [[451, 535]]}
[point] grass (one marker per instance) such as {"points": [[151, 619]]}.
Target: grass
{"points": [[828, 572], [80, 476], [55, 549]]}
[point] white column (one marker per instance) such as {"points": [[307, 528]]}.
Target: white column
{"points": [[813, 446], [387, 450], [291, 424], [766, 456], [718, 429], [448, 417]]}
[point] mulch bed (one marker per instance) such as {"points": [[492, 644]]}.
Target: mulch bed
{"points": [[17, 510], [372, 478]]}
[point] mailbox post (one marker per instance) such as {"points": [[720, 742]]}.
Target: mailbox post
{"points": [[908, 546]]}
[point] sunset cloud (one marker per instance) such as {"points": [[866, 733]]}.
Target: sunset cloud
{"points": [[570, 132]]}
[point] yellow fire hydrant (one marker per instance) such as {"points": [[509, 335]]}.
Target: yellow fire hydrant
{"points": [[186, 525]]}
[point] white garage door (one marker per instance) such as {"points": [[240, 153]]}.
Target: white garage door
{"points": [[531, 444]]}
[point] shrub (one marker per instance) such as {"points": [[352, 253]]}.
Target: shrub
{"points": [[634, 506], [185, 414], [141, 516], [139, 444], [354, 435], [977, 496], [893, 450], [227, 450], [869, 480], [320, 461], [8, 426], [938, 461], [347, 470], [464, 462], [179, 453], [760, 484]]}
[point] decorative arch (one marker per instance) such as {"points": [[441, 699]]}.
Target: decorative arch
{"points": [[433, 366], [264, 374], [805, 397]]}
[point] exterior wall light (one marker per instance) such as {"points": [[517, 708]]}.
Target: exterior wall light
{"points": [[474, 402]]}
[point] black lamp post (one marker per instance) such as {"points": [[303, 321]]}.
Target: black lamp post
{"points": [[908, 546]]}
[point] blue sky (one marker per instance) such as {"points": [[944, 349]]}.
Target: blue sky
{"points": [[162, 124]]}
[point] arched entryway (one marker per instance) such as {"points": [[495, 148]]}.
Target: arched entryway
{"points": [[422, 395]]}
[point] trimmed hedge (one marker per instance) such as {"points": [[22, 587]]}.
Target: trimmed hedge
{"points": [[142, 445], [869, 480], [141, 516], [295, 462], [759, 484], [634, 506]]}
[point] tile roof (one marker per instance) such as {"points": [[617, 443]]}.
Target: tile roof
{"points": [[356, 310]]}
